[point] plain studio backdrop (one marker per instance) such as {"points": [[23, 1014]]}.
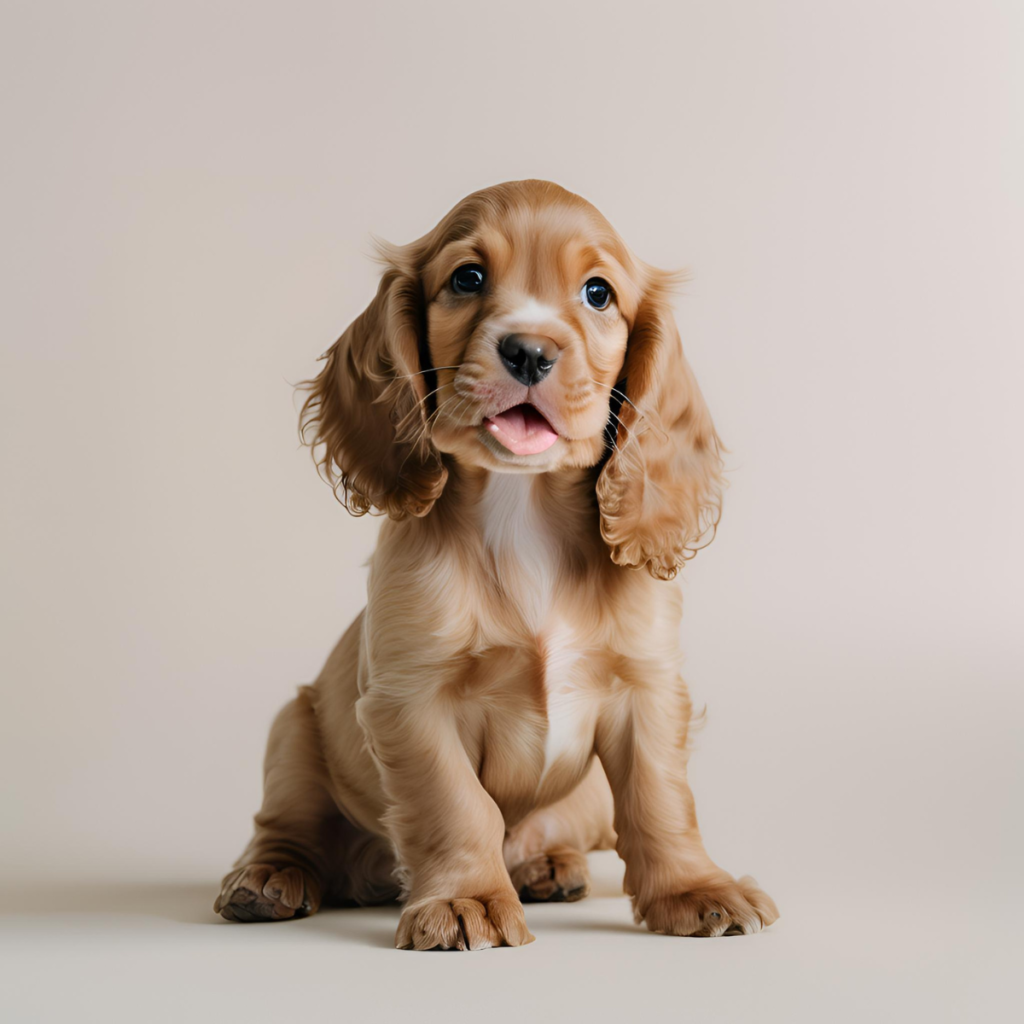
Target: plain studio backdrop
{"points": [[189, 193]]}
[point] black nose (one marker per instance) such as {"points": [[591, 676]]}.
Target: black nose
{"points": [[527, 357]]}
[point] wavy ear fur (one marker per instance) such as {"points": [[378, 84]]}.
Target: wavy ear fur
{"points": [[365, 417], [660, 490]]}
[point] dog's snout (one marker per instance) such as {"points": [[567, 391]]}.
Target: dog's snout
{"points": [[528, 357]]}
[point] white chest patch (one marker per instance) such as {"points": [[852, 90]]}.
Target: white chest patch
{"points": [[568, 710], [524, 549], [564, 728], [525, 553]]}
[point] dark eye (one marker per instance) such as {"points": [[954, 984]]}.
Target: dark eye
{"points": [[597, 293], [468, 279]]}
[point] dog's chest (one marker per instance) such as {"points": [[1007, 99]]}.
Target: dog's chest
{"points": [[539, 662], [533, 710], [522, 547]]}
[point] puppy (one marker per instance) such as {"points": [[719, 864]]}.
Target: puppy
{"points": [[516, 401]]}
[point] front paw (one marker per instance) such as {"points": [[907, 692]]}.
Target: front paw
{"points": [[263, 892], [559, 875], [463, 923], [720, 906]]}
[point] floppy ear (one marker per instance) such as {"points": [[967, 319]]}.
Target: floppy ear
{"points": [[660, 490], [365, 417]]}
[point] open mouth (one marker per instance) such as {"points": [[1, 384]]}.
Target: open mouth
{"points": [[522, 430]]}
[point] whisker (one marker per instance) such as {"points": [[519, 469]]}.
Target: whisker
{"points": [[454, 415], [631, 434], [424, 428], [625, 398], [629, 437], [622, 395], [432, 369], [650, 417], [420, 401], [443, 406]]}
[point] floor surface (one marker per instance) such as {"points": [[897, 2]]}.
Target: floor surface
{"points": [[157, 953]]}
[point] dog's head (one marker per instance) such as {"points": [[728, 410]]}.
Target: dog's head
{"points": [[522, 336]]}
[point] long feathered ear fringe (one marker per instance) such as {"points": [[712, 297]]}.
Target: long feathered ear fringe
{"points": [[660, 490], [364, 417], [316, 414], [315, 432]]}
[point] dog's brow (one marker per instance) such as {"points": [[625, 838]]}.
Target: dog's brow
{"points": [[463, 250], [593, 256]]}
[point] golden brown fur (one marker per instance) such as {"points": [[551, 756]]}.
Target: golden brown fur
{"points": [[517, 621]]}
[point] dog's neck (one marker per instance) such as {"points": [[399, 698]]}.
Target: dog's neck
{"points": [[520, 512]]}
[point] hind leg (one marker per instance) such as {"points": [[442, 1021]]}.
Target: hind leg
{"points": [[546, 852], [283, 871], [360, 867]]}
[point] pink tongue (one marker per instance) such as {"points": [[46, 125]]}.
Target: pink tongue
{"points": [[522, 430]]}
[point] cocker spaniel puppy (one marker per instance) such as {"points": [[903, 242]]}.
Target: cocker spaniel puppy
{"points": [[516, 400]]}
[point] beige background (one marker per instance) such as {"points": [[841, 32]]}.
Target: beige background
{"points": [[188, 196]]}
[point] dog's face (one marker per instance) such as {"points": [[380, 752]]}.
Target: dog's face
{"points": [[522, 335], [528, 314]]}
